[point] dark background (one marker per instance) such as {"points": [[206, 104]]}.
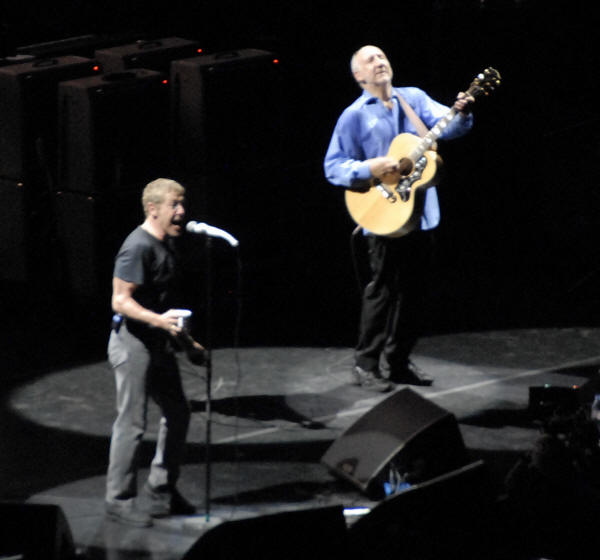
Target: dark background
{"points": [[518, 242]]}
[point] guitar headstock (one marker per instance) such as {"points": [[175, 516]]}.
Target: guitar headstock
{"points": [[485, 82]]}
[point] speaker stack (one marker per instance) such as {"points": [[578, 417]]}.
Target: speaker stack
{"points": [[28, 141], [80, 137], [227, 133], [114, 139]]}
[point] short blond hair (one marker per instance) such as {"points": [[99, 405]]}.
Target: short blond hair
{"points": [[156, 191]]}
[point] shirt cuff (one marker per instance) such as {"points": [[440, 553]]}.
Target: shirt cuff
{"points": [[362, 171]]}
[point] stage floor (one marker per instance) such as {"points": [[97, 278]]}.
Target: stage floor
{"points": [[275, 411]]}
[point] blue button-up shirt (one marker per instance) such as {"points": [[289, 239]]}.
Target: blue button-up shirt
{"points": [[366, 129]]}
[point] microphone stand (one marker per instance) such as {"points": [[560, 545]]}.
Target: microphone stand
{"points": [[208, 364], [208, 522], [208, 334]]}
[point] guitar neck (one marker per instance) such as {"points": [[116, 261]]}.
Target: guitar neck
{"points": [[430, 138], [485, 82]]}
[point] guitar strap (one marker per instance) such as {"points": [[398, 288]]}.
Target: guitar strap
{"points": [[413, 117]]}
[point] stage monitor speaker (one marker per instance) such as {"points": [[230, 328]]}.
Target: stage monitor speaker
{"points": [[90, 230], [318, 534], [226, 114], [113, 131], [450, 516], [35, 532], [405, 435], [28, 115], [154, 54]]}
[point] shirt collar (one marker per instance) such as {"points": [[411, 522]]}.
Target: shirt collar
{"points": [[368, 98]]}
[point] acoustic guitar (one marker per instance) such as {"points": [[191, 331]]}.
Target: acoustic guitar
{"points": [[394, 209]]}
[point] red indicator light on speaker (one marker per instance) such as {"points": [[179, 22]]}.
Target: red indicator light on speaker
{"points": [[275, 61], [199, 50], [95, 68], [165, 82]]}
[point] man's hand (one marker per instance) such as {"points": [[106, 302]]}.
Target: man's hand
{"points": [[168, 321], [462, 103], [386, 169]]}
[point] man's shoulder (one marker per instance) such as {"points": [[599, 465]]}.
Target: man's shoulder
{"points": [[137, 242], [139, 236], [356, 109]]}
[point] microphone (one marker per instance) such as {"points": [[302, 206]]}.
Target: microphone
{"points": [[211, 231]]}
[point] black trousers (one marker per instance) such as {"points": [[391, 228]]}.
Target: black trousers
{"points": [[393, 301]]}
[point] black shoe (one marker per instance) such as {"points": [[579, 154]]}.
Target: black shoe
{"points": [[127, 514], [411, 374], [370, 380], [167, 502]]}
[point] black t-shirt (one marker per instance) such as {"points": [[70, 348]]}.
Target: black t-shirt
{"points": [[152, 265]]}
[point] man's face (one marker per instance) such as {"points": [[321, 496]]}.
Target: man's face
{"points": [[372, 67], [170, 214]]}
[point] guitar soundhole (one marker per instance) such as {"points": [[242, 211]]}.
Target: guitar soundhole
{"points": [[405, 166]]}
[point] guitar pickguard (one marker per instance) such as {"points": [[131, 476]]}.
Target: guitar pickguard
{"points": [[393, 209], [404, 187]]}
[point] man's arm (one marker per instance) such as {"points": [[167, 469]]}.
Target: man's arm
{"points": [[124, 303]]}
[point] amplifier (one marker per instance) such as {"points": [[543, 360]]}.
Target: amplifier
{"points": [[90, 230], [113, 130], [226, 112], [28, 114], [154, 54], [26, 233]]}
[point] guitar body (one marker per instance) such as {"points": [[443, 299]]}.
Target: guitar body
{"points": [[391, 209]]}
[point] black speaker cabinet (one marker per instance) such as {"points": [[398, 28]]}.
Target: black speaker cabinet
{"points": [[35, 532], [319, 534], [226, 111], [28, 114], [26, 233], [80, 45], [450, 516], [404, 435], [113, 130], [155, 54], [91, 228]]}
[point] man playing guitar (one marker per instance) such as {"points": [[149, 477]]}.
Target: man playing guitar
{"points": [[357, 158]]}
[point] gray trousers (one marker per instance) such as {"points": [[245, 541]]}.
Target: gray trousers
{"points": [[140, 375]]}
